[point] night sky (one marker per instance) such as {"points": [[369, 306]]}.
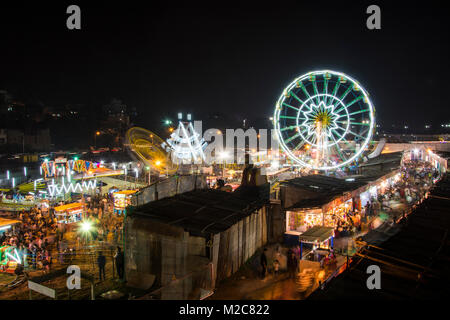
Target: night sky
{"points": [[225, 57]]}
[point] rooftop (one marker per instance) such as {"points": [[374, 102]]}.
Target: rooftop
{"points": [[317, 233], [201, 212], [327, 188]]}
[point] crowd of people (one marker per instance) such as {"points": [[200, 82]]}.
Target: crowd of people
{"points": [[39, 238], [416, 177], [33, 238], [100, 210]]}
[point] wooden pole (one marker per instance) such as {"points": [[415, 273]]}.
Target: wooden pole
{"points": [[92, 291]]}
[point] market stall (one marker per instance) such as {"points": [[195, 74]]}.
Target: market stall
{"points": [[317, 238], [302, 220], [122, 199], [69, 213], [6, 224]]}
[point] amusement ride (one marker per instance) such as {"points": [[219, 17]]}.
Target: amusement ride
{"points": [[324, 120]]}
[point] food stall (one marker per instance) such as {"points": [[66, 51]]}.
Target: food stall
{"points": [[69, 213], [122, 199]]}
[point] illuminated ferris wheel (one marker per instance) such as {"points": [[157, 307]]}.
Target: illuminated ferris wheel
{"points": [[324, 120]]}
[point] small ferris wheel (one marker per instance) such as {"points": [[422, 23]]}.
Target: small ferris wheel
{"points": [[324, 120]]}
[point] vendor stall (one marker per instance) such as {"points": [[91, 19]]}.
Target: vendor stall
{"points": [[122, 199], [6, 224], [317, 238], [302, 220], [69, 213]]}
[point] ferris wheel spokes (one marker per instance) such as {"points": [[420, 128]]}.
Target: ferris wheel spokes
{"points": [[326, 129]]}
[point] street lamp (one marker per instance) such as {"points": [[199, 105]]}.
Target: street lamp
{"points": [[97, 133], [7, 174], [137, 175], [125, 172], [149, 174], [25, 171]]}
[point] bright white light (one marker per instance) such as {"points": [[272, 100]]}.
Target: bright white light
{"points": [[86, 226], [223, 155], [185, 144], [56, 190], [16, 256]]}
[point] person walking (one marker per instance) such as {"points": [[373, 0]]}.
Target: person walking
{"points": [[292, 264], [263, 261], [119, 260], [101, 262]]}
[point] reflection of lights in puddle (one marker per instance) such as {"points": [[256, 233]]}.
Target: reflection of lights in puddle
{"points": [[321, 274]]}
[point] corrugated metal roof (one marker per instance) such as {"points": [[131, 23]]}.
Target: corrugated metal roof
{"points": [[207, 211], [317, 233], [327, 188]]}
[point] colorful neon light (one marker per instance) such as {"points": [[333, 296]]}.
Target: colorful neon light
{"points": [[324, 120]]}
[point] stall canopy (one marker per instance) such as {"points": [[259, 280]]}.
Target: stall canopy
{"points": [[69, 206], [5, 223], [316, 234], [125, 192]]}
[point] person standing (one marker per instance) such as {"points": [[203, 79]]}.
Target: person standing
{"points": [[263, 261], [101, 262], [292, 264], [276, 267], [119, 260]]}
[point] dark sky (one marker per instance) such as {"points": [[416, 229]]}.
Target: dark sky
{"points": [[224, 56]]}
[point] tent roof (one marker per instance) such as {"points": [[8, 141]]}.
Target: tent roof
{"points": [[6, 222], [317, 233], [68, 206]]}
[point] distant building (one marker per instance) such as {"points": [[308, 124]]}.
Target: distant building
{"points": [[34, 139], [3, 136]]}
